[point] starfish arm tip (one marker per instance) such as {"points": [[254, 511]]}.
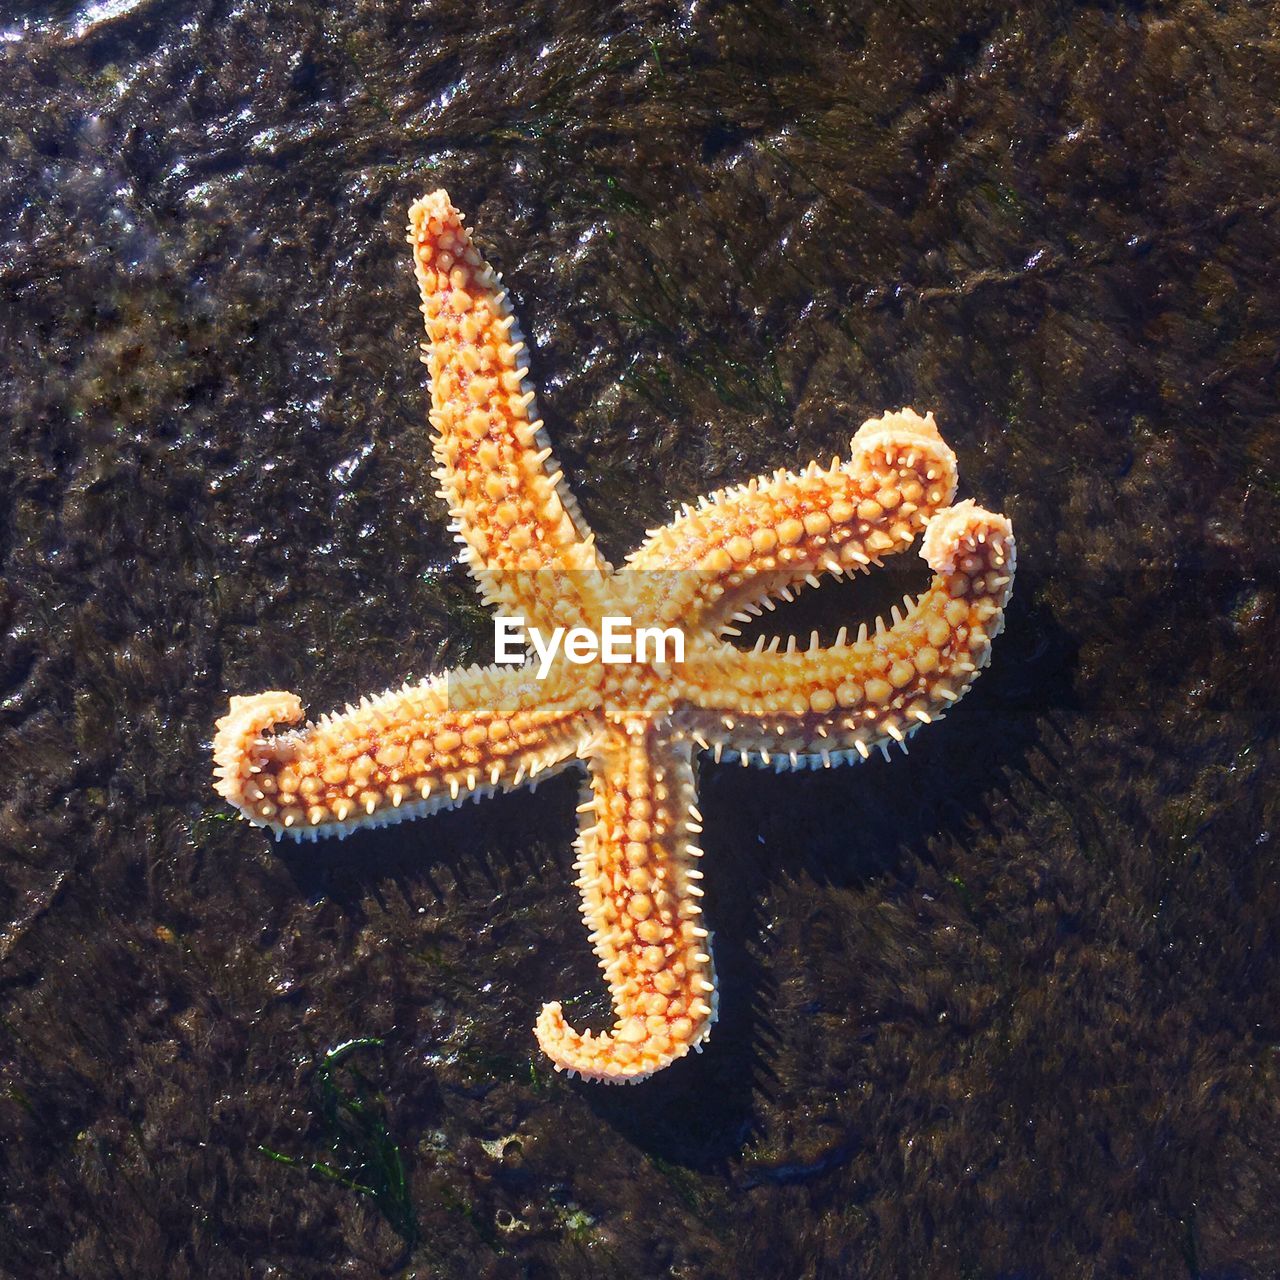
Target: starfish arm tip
{"points": [[957, 529]]}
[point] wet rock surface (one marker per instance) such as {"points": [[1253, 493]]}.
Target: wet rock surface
{"points": [[1007, 1006]]}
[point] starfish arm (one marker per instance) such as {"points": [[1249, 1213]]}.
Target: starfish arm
{"points": [[824, 705], [510, 506], [403, 754], [743, 547], [640, 889]]}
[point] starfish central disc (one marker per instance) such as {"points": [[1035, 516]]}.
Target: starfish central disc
{"points": [[635, 727]]}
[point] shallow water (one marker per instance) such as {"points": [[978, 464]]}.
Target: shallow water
{"points": [[1008, 1006]]}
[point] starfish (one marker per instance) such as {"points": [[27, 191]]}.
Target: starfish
{"points": [[636, 725]]}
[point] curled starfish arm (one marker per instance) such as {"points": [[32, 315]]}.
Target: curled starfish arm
{"points": [[739, 549], [405, 753], [640, 883], [826, 705], [509, 504]]}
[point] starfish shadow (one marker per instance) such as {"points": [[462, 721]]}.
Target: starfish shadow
{"points": [[473, 850], [838, 828]]}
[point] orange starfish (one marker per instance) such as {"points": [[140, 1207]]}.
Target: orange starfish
{"points": [[428, 746]]}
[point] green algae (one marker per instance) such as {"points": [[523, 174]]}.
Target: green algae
{"points": [[361, 1154]]}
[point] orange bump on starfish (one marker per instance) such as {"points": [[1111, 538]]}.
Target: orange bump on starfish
{"points": [[431, 745]]}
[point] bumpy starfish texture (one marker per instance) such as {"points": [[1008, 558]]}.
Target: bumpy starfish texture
{"points": [[450, 738]]}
